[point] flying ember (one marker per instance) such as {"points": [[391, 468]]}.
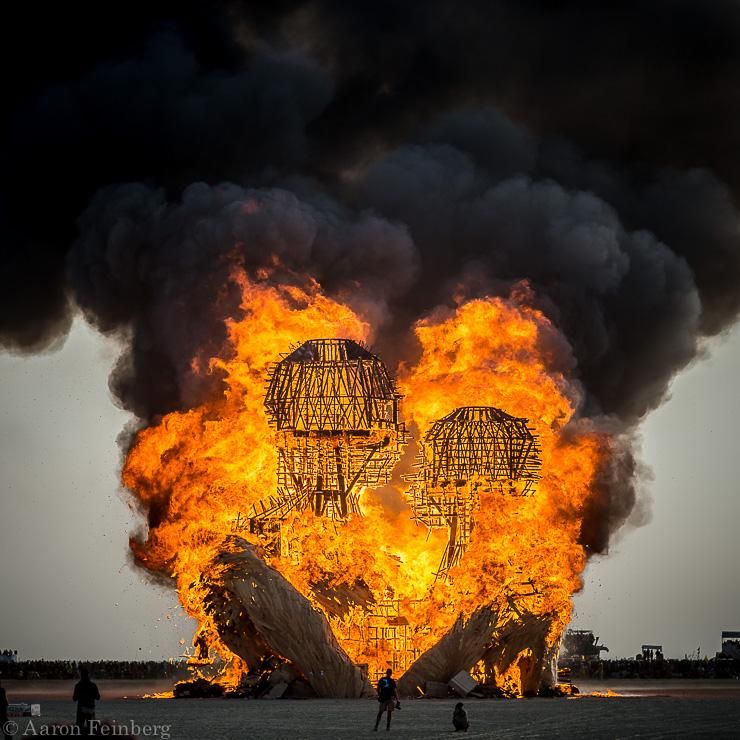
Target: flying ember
{"points": [[297, 530]]}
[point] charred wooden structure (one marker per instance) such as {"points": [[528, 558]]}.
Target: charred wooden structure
{"points": [[472, 449], [334, 407], [259, 614]]}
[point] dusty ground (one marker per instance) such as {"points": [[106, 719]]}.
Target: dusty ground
{"points": [[654, 710]]}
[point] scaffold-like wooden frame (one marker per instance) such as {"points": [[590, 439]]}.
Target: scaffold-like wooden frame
{"points": [[334, 407], [471, 449], [331, 385]]}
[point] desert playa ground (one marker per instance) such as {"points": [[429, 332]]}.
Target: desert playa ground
{"points": [[668, 709]]}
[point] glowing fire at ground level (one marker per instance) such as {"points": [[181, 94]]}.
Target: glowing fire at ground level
{"points": [[330, 575]]}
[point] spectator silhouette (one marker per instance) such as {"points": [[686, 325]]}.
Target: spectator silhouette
{"points": [[86, 694], [4, 712], [460, 718], [388, 698]]}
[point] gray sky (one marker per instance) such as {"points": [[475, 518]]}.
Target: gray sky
{"points": [[674, 581], [68, 590], [67, 587]]}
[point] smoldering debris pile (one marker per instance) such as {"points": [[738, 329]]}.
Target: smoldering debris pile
{"points": [[272, 678]]}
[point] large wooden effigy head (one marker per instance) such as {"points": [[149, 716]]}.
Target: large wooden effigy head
{"points": [[334, 407], [472, 449]]}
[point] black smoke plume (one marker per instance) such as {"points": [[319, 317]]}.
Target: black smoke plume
{"points": [[391, 150]]}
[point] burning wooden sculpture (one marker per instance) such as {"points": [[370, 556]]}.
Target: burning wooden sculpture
{"points": [[334, 407], [358, 594], [472, 449]]}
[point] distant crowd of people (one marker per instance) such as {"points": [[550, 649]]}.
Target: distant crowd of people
{"points": [[102, 669], [656, 668], [6, 656]]}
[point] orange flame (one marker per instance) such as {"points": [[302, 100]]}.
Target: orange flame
{"points": [[496, 352], [195, 470]]}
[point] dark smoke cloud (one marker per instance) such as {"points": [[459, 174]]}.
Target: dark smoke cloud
{"points": [[159, 116], [160, 272], [392, 150], [628, 303]]}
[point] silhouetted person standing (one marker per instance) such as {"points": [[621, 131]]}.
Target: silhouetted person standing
{"points": [[388, 698], [460, 718], [86, 694], [4, 712]]}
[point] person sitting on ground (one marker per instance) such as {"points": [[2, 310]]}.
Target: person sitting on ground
{"points": [[460, 718], [86, 694], [388, 698]]}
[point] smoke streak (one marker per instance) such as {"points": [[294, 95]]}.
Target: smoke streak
{"points": [[395, 152]]}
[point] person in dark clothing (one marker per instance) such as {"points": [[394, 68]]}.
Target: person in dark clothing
{"points": [[388, 698], [4, 713], [86, 694], [460, 717]]}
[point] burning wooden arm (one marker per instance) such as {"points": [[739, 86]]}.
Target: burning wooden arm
{"points": [[494, 634], [284, 621], [459, 650], [234, 627], [520, 643]]}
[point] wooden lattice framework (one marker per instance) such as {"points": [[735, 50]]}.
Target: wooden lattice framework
{"points": [[334, 407], [385, 635], [472, 449], [390, 638]]}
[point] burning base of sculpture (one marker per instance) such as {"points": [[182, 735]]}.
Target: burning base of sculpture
{"points": [[259, 615]]}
